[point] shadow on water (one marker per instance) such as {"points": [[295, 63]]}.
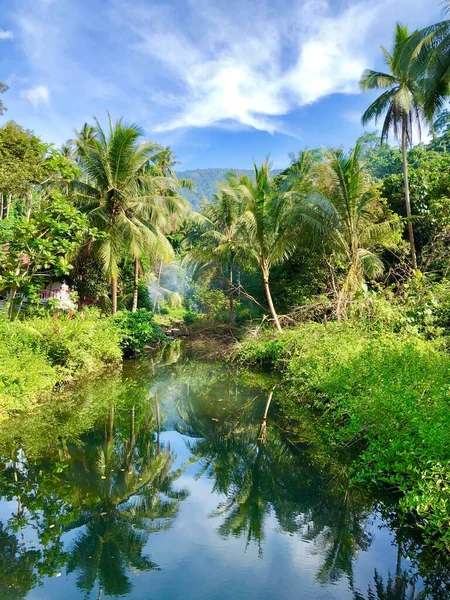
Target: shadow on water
{"points": [[87, 481]]}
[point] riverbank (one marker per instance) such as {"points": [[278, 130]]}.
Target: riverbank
{"points": [[383, 394], [39, 354]]}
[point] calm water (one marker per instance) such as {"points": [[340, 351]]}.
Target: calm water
{"points": [[168, 483]]}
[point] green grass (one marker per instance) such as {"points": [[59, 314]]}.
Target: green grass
{"points": [[39, 353], [384, 394]]}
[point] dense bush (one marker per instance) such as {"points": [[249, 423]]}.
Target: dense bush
{"points": [[38, 353], [384, 393], [137, 330]]}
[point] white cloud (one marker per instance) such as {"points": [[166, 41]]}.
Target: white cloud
{"points": [[178, 64], [38, 95], [6, 35], [353, 117], [243, 62]]}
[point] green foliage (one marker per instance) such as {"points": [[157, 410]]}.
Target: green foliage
{"points": [[38, 353], [212, 303], [206, 181], [190, 317], [386, 394], [22, 156], [38, 248], [137, 330], [3, 89]]}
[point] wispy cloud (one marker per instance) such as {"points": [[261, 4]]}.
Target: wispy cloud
{"points": [[174, 65], [353, 116], [247, 63], [37, 95], [6, 34]]}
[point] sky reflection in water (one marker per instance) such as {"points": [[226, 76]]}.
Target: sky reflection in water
{"points": [[168, 483]]}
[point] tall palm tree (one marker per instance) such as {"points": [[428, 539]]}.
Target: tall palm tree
{"points": [[431, 45], [120, 195], [171, 199], [221, 242], [273, 218], [356, 230], [400, 103]]}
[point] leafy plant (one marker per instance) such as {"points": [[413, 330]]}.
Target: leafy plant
{"points": [[137, 330]]}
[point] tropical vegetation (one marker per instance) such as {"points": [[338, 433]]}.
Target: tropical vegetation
{"points": [[334, 271]]}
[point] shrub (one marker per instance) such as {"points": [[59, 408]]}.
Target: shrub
{"points": [[38, 353], [190, 317], [384, 393], [136, 329]]}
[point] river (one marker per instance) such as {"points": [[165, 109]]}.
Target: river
{"points": [[167, 482]]}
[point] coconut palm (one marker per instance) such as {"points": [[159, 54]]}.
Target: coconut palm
{"points": [[274, 219], [176, 206], [122, 196], [401, 103], [221, 242], [395, 588], [356, 229], [431, 45]]}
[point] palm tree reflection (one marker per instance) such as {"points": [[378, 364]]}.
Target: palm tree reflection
{"points": [[124, 486], [260, 473]]}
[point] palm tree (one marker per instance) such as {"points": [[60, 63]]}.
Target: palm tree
{"points": [[400, 102], [121, 195], [222, 243], [170, 198], [431, 45], [356, 230], [272, 219]]}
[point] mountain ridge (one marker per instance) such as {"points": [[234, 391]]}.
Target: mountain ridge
{"points": [[206, 181]]}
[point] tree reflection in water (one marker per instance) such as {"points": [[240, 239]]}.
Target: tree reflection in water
{"points": [[125, 488], [259, 472], [113, 487], [89, 479]]}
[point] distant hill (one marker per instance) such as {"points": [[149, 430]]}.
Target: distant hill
{"points": [[206, 180]]}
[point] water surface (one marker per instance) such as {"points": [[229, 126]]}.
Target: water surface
{"points": [[167, 482]]}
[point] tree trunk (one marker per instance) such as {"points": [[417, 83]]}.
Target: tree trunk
{"points": [[29, 206], [158, 425], [407, 198], [135, 285], [114, 294], [263, 424], [231, 295], [1, 207], [11, 298], [8, 206], [270, 301], [158, 283], [110, 429]]}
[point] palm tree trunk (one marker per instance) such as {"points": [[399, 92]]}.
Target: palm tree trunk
{"points": [[407, 196], [273, 312], [231, 295], [29, 205], [110, 430], [158, 425], [114, 294], [135, 285], [158, 283], [263, 424]]}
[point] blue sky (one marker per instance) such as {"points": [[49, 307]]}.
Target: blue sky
{"points": [[223, 82]]}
